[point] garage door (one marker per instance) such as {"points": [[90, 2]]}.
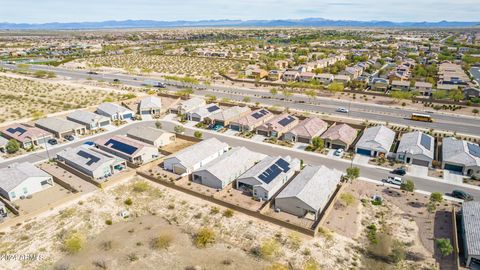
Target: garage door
{"points": [[454, 168], [420, 162], [337, 146], [262, 132], [196, 119], [303, 140], [235, 127], [128, 115], [104, 123], [364, 152]]}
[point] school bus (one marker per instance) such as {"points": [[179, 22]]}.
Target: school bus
{"points": [[421, 117]]}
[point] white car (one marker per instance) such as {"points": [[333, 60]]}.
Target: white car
{"points": [[339, 152], [342, 110], [394, 180]]}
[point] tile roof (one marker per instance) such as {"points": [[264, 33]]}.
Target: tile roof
{"points": [[343, 132], [460, 152], [412, 143], [310, 127], [378, 138], [21, 132], [57, 124], [199, 151]]}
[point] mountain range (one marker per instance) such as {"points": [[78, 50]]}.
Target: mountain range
{"points": [[308, 22]]}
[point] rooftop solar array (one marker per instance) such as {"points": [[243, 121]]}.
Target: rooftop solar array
{"points": [[15, 130], [122, 147], [213, 108], [91, 158], [474, 149], [425, 141], [274, 170], [287, 120], [259, 114]]}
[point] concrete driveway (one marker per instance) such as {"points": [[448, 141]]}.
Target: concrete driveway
{"points": [[300, 146], [230, 132], [419, 171], [258, 138], [453, 177], [361, 159]]}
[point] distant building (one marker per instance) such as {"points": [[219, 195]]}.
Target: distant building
{"points": [[150, 106], [91, 121], [114, 111], [27, 136], [150, 135]]}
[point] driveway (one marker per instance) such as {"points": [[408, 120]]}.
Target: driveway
{"points": [[300, 146], [190, 123], [453, 177], [230, 132], [361, 159], [258, 138], [419, 171]]}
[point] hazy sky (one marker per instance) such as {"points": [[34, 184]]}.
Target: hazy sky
{"points": [[40, 11]]}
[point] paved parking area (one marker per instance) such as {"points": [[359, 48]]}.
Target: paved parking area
{"points": [[361, 159], [452, 177], [258, 138], [419, 171]]}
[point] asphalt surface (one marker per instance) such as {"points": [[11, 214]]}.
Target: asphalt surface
{"points": [[373, 173], [445, 122]]}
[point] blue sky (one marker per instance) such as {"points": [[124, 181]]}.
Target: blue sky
{"points": [[41, 11]]}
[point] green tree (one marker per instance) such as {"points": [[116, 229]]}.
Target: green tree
{"points": [[179, 129], [158, 124], [353, 173], [210, 98], [198, 134], [408, 186], [436, 197], [273, 92], [444, 245], [246, 99], [440, 94], [336, 87], [456, 95], [318, 143], [12, 146], [475, 111], [311, 94]]}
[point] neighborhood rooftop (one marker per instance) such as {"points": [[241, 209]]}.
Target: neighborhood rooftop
{"points": [[16, 173]]}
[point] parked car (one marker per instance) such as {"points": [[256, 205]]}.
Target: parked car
{"points": [[52, 141], [394, 180], [400, 171], [459, 194], [116, 80], [92, 72], [342, 110], [339, 152], [69, 137]]}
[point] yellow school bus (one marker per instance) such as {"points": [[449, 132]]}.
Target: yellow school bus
{"points": [[421, 117]]}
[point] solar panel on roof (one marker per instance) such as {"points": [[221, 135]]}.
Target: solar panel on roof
{"points": [[287, 120], [474, 149], [91, 158], [283, 164], [122, 147], [15, 130], [259, 114], [270, 173], [425, 141], [213, 108]]}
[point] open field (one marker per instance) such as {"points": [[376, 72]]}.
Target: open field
{"points": [[24, 98], [164, 64]]}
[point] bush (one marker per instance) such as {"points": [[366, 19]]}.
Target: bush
{"points": [[277, 266], [73, 243], [372, 233], [128, 201], [228, 213], [294, 241], [408, 186], [214, 210], [398, 251], [163, 241], [436, 197], [12, 146], [140, 186], [108, 222], [204, 237], [269, 248], [311, 264], [347, 199], [444, 245], [198, 134]]}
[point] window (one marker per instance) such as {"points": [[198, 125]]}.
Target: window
{"points": [[13, 195], [25, 190]]}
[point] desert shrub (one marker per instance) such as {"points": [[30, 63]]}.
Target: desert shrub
{"points": [[163, 241], [128, 201], [214, 210], [269, 248], [228, 213], [294, 241], [277, 266], [347, 199], [108, 222], [311, 264], [204, 237], [408, 186], [140, 186], [73, 243]]}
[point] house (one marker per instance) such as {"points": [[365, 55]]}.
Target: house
{"points": [[424, 88], [375, 141], [192, 158], [252, 120], [3, 211], [306, 130], [60, 127], [470, 92], [274, 75], [339, 136], [400, 85], [470, 232], [133, 151], [199, 114], [461, 156], [20, 180], [91, 121], [278, 125], [114, 111], [305, 77], [256, 73], [225, 117], [290, 76], [416, 148], [27, 136], [451, 75], [324, 78], [226, 168], [379, 84], [150, 106], [3, 144], [92, 162], [266, 178], [309, 192], [151, 136], [188, 105], [342, 79]]}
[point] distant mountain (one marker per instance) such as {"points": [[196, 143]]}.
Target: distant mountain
{"points": [[308, 22]]}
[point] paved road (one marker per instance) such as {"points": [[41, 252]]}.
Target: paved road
{"points": [[446, 122], [369, 172]]}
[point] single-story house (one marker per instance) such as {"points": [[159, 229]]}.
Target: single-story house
{"points": [[305, 76], [400, 85], [224, 117], [266, 178], [375, 141], [90, 120], [342, 79], [379, 84], [150, 106], [114, 111], [309, 192], [339, 136], [416, 148], [461, 156], [92, 161], [192, 158], [252, 120], [188, 105], [150, 135], [226, 168], [20, 180], [133, 151], [306, 130], [199, 114], [470, 231], [60, 127], [274, 75], [3, 144], [277, 126], [27, 136], [424, 88]]}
